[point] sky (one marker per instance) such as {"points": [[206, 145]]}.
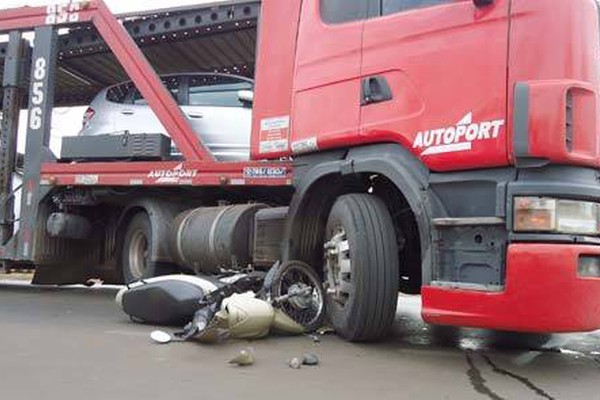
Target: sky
{"points": [[66, 122]]}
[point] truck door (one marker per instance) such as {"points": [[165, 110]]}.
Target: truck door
{"points": [[327, 79], [434, 79]]}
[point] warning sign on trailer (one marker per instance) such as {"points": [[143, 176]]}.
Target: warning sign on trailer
{"points": [[274, 134]]}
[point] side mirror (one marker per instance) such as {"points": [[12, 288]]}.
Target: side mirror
{"points": [[483, 3], [246, 96]]}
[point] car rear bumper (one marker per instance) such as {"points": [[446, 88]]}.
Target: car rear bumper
{"points": [[543, 293]]}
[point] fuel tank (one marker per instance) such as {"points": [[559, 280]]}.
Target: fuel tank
{"points": [[209, 239]]}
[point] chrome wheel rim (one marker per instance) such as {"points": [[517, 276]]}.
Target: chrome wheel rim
{"points": [[307, 308], [338, 267]]}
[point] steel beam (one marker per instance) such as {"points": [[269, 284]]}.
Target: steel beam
{"points": [[167, 26], [39, 125], [11, 106], [168, 173]]}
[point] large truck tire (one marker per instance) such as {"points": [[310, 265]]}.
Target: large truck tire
{"points": [[361, 268], [135, 255]]}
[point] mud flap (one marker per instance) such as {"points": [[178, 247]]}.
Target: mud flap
{"points": [[61, 275]]}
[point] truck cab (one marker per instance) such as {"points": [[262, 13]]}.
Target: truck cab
{"points": [[475, 122]]}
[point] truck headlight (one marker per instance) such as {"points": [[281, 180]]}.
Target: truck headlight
{"points": [[543, 214]]}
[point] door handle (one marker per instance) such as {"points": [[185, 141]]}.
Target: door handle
{"points": [[127, 112], [195, 115], [375, 89]]}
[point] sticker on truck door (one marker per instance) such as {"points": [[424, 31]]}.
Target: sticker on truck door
{"points": [[459, 137], [274, 134]]}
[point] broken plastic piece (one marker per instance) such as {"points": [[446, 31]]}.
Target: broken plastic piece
{"points": [[160, 337], [244, 358], [295, 363]]}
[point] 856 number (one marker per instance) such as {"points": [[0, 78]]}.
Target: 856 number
{"points": [[37, 93]]}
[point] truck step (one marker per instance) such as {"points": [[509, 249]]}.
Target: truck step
{"points": [[468, 286]]}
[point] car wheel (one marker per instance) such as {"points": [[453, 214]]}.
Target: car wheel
{"points": [[137, 248], [361, 267]]}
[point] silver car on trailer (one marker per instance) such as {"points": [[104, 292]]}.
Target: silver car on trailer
{"points": [[218, 107]]}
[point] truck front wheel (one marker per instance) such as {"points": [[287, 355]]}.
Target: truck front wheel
{"points": [[135, 256], [361, 267]]}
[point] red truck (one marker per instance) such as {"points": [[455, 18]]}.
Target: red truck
{"points": [[442, 147]]}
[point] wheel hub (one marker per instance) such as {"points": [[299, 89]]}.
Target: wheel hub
{"points": [[338, 267], [138, 254], [301, 296]]}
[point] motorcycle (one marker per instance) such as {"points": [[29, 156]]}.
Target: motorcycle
{"points": [[288, 299]]}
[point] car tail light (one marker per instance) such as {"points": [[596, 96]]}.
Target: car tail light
{"points": [[88, 115]]}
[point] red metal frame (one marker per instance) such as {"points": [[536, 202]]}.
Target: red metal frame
{"points": [[171, 173], [200, 168]]}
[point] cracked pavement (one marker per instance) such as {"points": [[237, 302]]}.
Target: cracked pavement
{"points": [[73, 342]]}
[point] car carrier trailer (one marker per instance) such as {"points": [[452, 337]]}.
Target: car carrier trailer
{"points": [[448, 148]]}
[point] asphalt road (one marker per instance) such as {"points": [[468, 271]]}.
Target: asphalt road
{"points": [[75, 344]]}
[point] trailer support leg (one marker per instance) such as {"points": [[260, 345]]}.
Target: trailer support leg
{"points": [[11, 106], [41, 103]]}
